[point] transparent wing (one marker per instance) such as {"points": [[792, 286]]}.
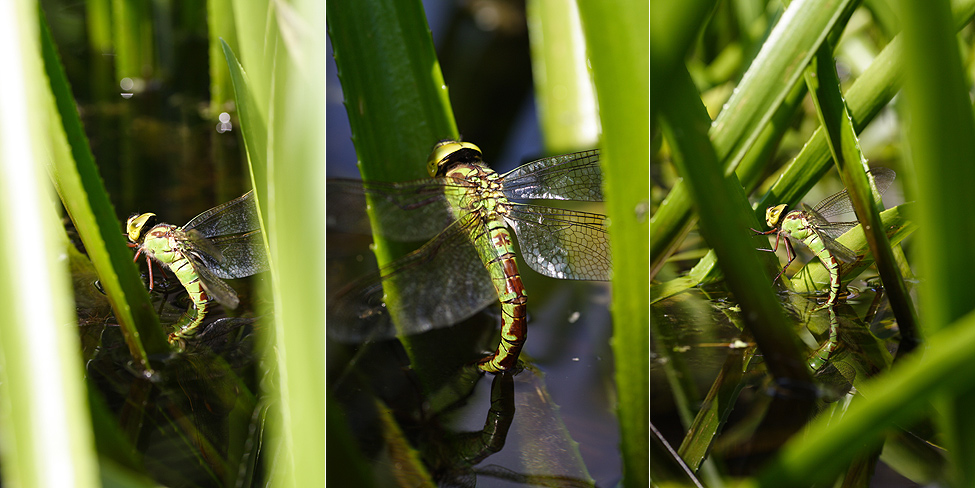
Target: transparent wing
{"points": [[823, 226], [574, 176], [227, 256], [829, 231], [409, 211], [563, 244], [839, 251], [839, 203], [440, 284], [236, 216], [243, 255], [214, 286]]}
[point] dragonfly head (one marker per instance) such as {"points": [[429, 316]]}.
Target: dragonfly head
{"points": [[773, 215], [137, 225], [448, 153]]}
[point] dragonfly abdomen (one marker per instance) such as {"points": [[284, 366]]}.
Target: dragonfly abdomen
{"points": [[190, 321], [832, 265], [190, 279], [500, 263]]}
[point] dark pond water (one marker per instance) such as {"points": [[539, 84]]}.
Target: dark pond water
{"points": [[702, 358]]}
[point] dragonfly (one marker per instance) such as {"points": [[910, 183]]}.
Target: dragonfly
{"points": [[811, 227], [223, 242], [465, 212]]}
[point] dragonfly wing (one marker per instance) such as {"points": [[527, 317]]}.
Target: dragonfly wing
{"points": [[437, 285], [229, 256], [409, 211], [832, 229], [836, 229], [574, 176], [839, 203], [236, 216], [839, 251], [194, 242], [214, 286], [882, 177], [243, 255], [561, 243]]}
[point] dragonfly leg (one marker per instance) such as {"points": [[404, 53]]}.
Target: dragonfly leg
{"points": [[149, 264], [138, 253], [790, 254], [776, 248], [763, 233]]}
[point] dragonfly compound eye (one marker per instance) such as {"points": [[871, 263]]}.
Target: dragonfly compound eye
{"points": [[773, 215], [137, 224], [447, 153]]}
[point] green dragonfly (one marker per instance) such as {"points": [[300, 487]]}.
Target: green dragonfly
{"points": [[223, 242], [465, 210], [809, 226]]}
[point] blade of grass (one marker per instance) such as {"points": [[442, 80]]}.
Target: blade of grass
{"points": [[220, 29], [83, 193], [563, 88], [824, 86], [914, 458], [725, 217], [44, 421], [255, 21], [397, 104], [132, 32], [253, 128], [296, 161], [674, 27], [356, 470], [98, 17], [714, 411], [868, 95], [617, 38], [790, 46], [737, 255], [865, 98], [942, 139]]}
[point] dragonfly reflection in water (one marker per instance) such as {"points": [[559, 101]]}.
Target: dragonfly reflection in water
{"points": [[467, 209]]}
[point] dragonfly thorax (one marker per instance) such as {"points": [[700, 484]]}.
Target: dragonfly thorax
{"points": [[479, 189], [447, 154], [773, 215], [161, 243]]}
